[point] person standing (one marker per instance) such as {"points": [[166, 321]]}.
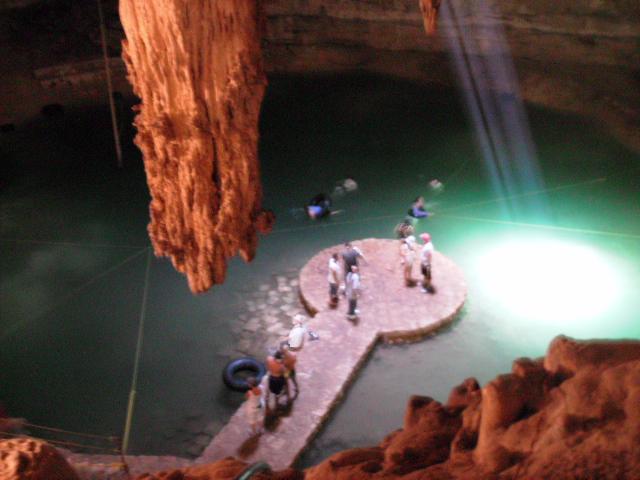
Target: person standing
{"points": [[334, 280], [289, 361], [253, 406], [408, 257], [404, 228], [426, 256], [352, 291], [277, 381], [350, 257]]}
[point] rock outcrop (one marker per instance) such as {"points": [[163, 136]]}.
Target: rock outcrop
{"points": [[573, 414], [29, 459], [197, 67]]}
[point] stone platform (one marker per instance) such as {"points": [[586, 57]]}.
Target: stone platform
{"points": [[388, 311]]}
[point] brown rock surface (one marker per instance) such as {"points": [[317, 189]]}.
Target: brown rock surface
{"points": [[527, 424], [197, 68], [30, 459]]}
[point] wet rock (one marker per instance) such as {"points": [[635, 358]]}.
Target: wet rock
{"points": [[27, 458]]}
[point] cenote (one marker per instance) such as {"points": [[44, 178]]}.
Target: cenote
{"points": [[74, 254]]}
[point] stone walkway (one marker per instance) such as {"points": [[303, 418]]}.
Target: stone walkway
{"points": [[388, 311]]}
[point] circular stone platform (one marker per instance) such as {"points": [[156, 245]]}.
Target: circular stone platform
{"points": [[386, 304]]}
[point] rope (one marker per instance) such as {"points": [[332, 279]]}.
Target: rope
{"points": [[16, 326], [59, 430], [136, 364], [546, 227], [107, 69], [528, 194], [70, 244], [61, 442]]}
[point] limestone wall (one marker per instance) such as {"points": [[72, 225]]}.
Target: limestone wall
{"points": [[578, 56]]}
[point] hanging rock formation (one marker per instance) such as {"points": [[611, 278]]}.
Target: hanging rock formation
{"points": [[197, 67]]}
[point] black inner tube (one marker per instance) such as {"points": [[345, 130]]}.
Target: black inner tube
{"points": [[239, 383]]}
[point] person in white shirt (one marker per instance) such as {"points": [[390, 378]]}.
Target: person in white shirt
{"points": [[425, 263], [352, 292], [295, 341], [408, 257], [334, 280]]}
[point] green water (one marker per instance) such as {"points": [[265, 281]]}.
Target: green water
{"points": [[73, 232]]}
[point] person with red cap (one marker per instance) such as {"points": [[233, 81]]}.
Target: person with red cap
{"points": [[425, 263]]}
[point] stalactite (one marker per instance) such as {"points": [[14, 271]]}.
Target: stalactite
{"points": [[197, 67], [429, 9]]}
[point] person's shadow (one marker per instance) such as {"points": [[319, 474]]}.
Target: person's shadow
{"points": [[249, 446], [274, 416]]}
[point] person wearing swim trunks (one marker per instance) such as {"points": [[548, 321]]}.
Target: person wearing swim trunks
{"points": [[277, 380]]}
